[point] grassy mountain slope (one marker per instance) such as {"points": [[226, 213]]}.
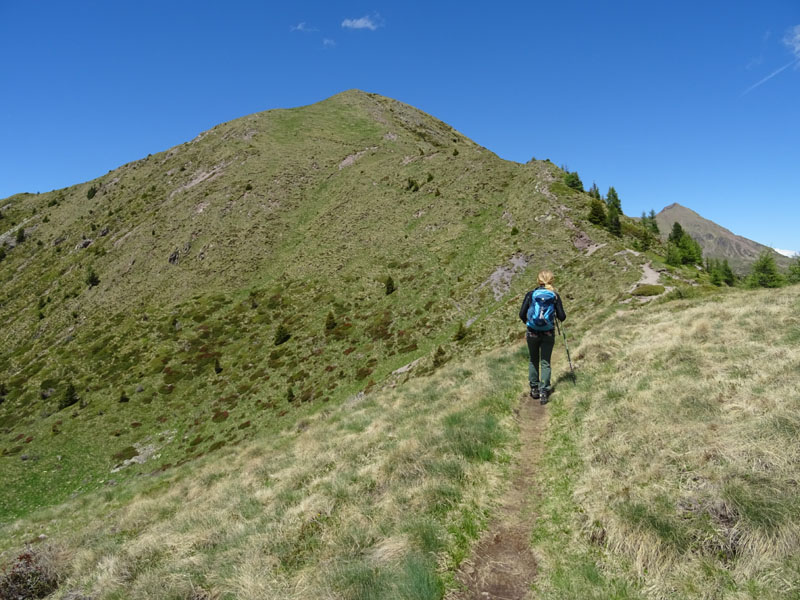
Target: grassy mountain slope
{"points": [[672, 468], [376, 498], [716, 241], [274, 220]]}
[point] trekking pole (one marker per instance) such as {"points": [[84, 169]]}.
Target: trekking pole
{"points": [[563, 333]]}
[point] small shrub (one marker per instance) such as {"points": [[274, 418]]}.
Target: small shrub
{"points": [[20, 235], [69, 398], [91, 278], [461, 332], [455, 151], [648, 290], [440, 357], [127, 453], [363, 373], [90, 193], [29, 577], [330, 321], [282, 335], [390, 288]]}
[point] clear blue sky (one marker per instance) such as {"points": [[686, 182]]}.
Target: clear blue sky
{"points": [[677, 101]]}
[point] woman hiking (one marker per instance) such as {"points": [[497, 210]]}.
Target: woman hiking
{"points": [[539, 310]]}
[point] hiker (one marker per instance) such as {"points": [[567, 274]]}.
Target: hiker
{"points": [[539, 310]]}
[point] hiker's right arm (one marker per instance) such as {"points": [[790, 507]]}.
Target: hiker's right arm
{"points": [[526, 304], [560, 309]]}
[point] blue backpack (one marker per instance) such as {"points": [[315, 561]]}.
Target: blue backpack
{"points": [[542, 310]]}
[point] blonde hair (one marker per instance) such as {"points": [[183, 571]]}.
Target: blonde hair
{"points": [[546, 278]]}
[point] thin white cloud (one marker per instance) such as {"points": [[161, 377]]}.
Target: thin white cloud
{"points": [[304, 27], [362, 23], [329, 43], [771, 75], [789, 253], [792, 40]]}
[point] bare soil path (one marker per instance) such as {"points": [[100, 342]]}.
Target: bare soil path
{"points": [[502, 566]]}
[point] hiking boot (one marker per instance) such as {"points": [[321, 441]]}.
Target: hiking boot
{"points": [[544, 397], [535, 393]]}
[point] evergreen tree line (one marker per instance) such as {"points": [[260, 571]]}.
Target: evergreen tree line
{"points": [[683, 249], [765, 273], [720, 272], [606, 212]]}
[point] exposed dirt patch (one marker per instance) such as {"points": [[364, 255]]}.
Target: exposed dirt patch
{"points": [[351, 160], [649, 276], [500, 280], [200, 177], [502, 565], [594, 248]]}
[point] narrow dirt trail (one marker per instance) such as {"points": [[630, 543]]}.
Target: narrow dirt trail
{"points": [[502, 566]]}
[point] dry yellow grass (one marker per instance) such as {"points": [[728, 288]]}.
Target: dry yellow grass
{"points": [[382, 492], [689, 415]]}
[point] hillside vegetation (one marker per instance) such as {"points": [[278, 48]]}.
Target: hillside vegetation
{"points": [[716, 241], [229, 287], [283, 360], [672, 467]]}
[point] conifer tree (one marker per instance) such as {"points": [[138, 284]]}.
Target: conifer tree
{"points": [[674, 256], [764, 272], [612, 199], [389, 285], [594, 192], [20, 235], [691, 252], [727, 273], [612, 221], [597, 212], [573, 180], [676, 234], [653, 223], [794, 271]]}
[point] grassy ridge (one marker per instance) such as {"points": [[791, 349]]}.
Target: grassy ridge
{"points": [[273, 220], [672, 467]]}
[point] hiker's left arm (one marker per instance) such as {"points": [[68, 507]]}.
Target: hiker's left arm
{"points": [[526, 304]]}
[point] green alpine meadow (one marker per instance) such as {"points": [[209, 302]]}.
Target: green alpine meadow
{"points": [[284, 360]]}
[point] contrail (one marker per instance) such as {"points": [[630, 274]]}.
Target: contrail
{"points": [[770, 76]]}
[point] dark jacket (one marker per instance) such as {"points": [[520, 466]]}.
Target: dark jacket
{"points": [[526, 304]]}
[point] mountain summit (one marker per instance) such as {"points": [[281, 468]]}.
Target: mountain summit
{"points": [[716, 241], [244, 277]]}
